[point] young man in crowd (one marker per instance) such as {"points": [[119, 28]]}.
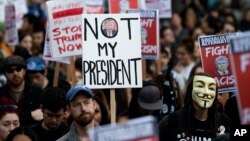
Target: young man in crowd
{"points": [[82, 109], [198, 120], [25, 95], [37, 71], [53, 107]]}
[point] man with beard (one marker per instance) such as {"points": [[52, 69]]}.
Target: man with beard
{"points": [[26, 96], [53, 108], [198, 120], [82, 109]]}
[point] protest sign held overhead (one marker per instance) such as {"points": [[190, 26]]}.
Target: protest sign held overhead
{"points": [[65, 27], [164, 7], [20, 10], [47, 54], [215, 53], [120, 6], [10, 21], [149, 33], [140, 129], [94, 6], [240, 59], [112, 50]]}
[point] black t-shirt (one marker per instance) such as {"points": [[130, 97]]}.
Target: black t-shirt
{"points": [[201, 130], [49, 135]]}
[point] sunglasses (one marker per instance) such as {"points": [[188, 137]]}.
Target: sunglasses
{"points": [[11, 107], [11, 70]]}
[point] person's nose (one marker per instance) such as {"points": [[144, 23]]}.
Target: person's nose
{"points": [[83, 107], [15, 72], [11, 127]]}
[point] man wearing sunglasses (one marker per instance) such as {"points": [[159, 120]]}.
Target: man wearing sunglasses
{"points": [[25, 95]]}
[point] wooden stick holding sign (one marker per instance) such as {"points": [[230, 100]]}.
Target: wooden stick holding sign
{"points": [[144, 69], [113, 106], [72, 71], [56, 74]]}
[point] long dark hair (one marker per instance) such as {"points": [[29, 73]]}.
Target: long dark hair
{"points": [[22, 131]]}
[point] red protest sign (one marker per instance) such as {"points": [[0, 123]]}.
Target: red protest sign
{"points": [[240, 59], [119, 6], [215, 59], [94, 6], [149, 33]]}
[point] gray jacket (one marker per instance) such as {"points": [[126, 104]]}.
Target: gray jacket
{"points": [[72, 135]]}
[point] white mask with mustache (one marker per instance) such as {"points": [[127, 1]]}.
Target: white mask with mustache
{"points": [[204, 91]]}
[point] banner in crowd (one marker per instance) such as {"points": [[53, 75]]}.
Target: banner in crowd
{"points": [[149, 33], [65, 27], [20, 8], [120, 6], [164, 7], [94, 6], [140, 129], [240, 59], [10, 23], [215, 53], [47, 55], [112, 50]]}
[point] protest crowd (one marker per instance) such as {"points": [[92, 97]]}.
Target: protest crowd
{"points": [[44, 100]]}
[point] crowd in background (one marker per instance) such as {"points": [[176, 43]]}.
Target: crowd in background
{"points": [[28, 99]]}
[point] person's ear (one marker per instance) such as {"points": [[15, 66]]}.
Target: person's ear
{"points": [[45, 72], [67, 111]]}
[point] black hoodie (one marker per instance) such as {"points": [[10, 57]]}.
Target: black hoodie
{"points": [[183, 125]]}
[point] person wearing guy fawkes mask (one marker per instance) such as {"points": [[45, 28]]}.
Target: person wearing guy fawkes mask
{"points": [[198, 120]]}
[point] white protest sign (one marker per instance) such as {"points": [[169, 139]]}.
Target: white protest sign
{"points": [[47, 55], [65, 27], [112, 50], [164, 7], [140, 129], [94, 6], [2, 13], [20, 8], [10, 22]]}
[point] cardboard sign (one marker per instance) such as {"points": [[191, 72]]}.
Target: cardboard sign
{"points": [[120, 6], [164, 7], [149, 33], [140, 129], [215, 53], [2, 13], [240, 59], [94, 6], [112, 50], [10, 22], [65, 27], [20, 8], [47, 55]]}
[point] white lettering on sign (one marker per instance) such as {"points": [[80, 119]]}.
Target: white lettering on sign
{"points": [[225, 80], [244, 62], [218, 50], [147, 22], [148, 49], [241, 45], [213, 40]]}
